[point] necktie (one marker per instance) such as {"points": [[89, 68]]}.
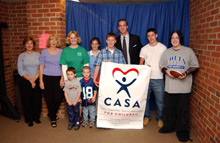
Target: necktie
{"points": [[125, 51]]}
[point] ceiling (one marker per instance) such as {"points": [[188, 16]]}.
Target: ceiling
{"points": [[123, 1]]}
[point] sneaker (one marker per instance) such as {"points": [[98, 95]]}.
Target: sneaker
{"points": [[160, 123], [76, 128], [84, 123], [92, 123], [70, 127], [146, 121]]}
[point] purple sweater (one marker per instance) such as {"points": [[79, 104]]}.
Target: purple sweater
{"points": [[51, 63]]}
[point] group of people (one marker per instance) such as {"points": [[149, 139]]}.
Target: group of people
{"points": [[74, 71]]}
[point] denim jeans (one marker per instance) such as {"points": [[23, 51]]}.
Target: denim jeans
{"points": [[73, 114], [89, 110], [157, 86]]}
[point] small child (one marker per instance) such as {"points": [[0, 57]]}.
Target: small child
{"points": [[72, 92], [89, 91]]}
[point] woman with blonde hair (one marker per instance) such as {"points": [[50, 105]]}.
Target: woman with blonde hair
{"points": [[28, 69], [74, 55], [51, 77]]}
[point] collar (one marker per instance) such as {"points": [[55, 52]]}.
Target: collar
{"points": [[109, 50], [92, 53], [126, 36]]}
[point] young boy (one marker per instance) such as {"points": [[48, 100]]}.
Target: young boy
{"points": [[89, 91], [108, 54], [72, 92]]}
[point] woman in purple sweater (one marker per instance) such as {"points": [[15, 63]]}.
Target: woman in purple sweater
{"points": [[51, 77]]}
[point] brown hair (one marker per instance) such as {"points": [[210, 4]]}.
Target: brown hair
{"points": [[71, 69], [86, 67], [77, 36], [110, 34], [29, 39], [95, 39], [56, 37]]}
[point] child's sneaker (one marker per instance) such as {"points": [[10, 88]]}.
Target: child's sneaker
{"points": [[92, 123], [70, 127], [77, 127], [84, 123]]}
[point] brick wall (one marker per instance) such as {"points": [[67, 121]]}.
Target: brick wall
{"points": [[14, 14], [29, 18], [47, 16], [205, 41]]}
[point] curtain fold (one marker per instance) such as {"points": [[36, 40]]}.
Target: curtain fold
{"points": [[96, 20]]}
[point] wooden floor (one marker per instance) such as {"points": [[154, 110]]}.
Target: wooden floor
{"points": [[19, 132]]}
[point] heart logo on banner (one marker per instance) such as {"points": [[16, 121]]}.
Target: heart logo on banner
{"points": [[123, 84], [124, 73]]}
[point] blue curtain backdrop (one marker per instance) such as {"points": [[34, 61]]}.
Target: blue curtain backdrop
{"points": [[91, 20]]}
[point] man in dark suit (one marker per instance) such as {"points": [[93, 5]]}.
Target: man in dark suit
{"points": [[128, 43]]}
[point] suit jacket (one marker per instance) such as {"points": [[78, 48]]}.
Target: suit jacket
{"points": [[134, 47]]}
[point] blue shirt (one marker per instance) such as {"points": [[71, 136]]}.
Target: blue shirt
{"points": [[91, 62], [105, 54], [88, 89]]}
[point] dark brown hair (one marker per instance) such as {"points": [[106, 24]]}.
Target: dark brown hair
{"points": [[71, 69]]}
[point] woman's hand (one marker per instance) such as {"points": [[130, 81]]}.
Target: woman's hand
{"points": [[62, 83], [41, 84]]}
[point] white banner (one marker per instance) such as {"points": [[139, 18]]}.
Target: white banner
{"points": [[122, 95]]}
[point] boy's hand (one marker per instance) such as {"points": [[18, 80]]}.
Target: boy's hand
{"points": [[69, 103], [93, 99], [74, 103]]}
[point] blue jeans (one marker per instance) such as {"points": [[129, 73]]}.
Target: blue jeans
{"points": [[89, 110], [157, 86], [73, 114]]}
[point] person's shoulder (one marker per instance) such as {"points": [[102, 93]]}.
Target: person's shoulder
{"points": [[37, 54], [44, 51], [21, 55], [66, 48], [146, 46], [60, 50], [187, 49], [82, 48], [162, 45], [133, 35]]}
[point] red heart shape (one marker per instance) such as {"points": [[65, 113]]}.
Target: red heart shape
{"points": [[124, 73]]}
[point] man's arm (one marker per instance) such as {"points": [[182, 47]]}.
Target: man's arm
{"points": [[141, 61]]}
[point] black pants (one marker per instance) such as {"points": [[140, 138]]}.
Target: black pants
{"points": [[53, 94], [31, 99], [176, 114]]}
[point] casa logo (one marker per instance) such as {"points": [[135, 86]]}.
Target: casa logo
{"points": [[79, 54], [124, 80]]}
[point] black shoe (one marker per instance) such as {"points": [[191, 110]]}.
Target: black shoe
{"points": [[30, 124], [70, 127], [164, 131], [54, 124], [37, 121], [76, 128]]}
